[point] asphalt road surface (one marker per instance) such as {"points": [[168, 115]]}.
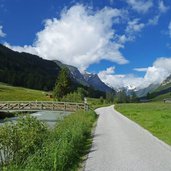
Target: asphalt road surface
{"points": [[119, 144]]}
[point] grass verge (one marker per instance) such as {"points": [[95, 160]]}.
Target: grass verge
{"points": [[31, 145], [155, 117]]}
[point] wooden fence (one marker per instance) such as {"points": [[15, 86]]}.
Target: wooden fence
{"points": [[41, 106]]}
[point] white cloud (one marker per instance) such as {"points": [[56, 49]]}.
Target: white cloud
{"points": [[169, 27], [154, 21], [141, 6], [155, 74], [132, 28], [2, 34], [168, 45], [119, 81], [110, 70], [140, 69], [80, 37], [162, 7]]}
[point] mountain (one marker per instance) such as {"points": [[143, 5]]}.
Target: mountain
{"points": [[26, 70], [94, 81], [31, 71], [74, 73], [163, 90], [166, 83], [143, 92], [86, 79]]}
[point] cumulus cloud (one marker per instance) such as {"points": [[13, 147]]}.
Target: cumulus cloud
{"points": [[155, 74], [141, 6], [80, 37], [162, 7], [141, 69], [2, 34], [110, 70]]}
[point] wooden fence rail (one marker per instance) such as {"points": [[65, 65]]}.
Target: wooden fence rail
{"points": [[41, 106]]}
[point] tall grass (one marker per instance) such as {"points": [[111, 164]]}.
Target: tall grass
{"points": [[57, 149], [21, 139]]}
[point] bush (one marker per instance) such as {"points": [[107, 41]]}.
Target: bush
{"points": [[20, 140], [73, 97], [65, 145], [34, 147]]}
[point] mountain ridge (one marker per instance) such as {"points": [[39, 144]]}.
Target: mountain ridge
{"points": [[86, 79]]}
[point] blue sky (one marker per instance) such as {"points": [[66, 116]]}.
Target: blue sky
{"points": [[121, 40]]}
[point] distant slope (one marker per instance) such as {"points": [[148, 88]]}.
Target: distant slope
{"points": [[165, 85], [26, 70], [94, 81], [74, 73], [162, 91], [11, 93], [145, 91], [162, 96]]}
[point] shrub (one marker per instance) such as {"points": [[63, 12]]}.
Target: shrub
{"points": [[20, 140], [34, 147], [65, 145]]}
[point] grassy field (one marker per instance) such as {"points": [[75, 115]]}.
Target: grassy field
{"points": [[10, 93], [155, 117]]}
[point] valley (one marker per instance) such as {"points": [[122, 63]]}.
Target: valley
{"points": [[85, 85]]}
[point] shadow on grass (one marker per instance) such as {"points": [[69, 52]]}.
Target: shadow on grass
{"points": [[4, 115], [84, 152], [86, 149]]}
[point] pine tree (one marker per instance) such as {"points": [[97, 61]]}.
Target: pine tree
{"points": [[62, 86], [134, 97]]}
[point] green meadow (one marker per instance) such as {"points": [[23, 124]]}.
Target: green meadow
{"points": [[11, 93], [155, 117]]}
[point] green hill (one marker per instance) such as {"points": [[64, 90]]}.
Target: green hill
{"points": [[162, 97], [10, 93]]}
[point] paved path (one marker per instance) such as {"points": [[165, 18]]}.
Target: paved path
{"points": [[121, 145]]}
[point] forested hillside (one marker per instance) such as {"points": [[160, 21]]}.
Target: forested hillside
{"points": [[31, 71], [26, 70], [163, 91]]}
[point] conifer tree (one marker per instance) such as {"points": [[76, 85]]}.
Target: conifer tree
{"points": [[62, 86]]}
